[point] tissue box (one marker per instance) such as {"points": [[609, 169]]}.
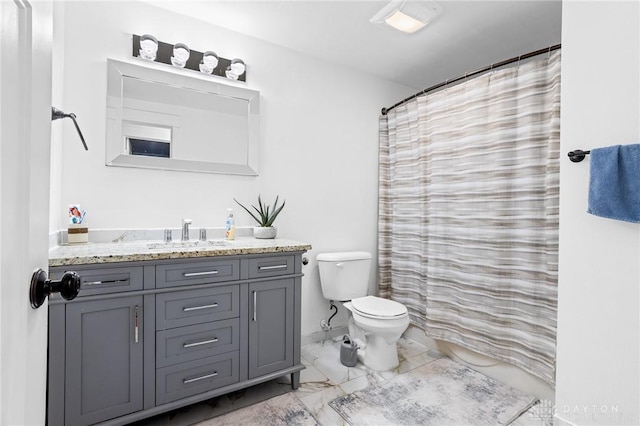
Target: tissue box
{"points": [[77, 234]]}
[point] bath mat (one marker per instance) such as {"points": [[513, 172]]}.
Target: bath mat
{"points": [[282, 410], [439, 393]]}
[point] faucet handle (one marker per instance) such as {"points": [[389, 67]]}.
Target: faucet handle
{"points": [[185, 229]]}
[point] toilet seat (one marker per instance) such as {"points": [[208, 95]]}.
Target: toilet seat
{"points": [[377, 307]]}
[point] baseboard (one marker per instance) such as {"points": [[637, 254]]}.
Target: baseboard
{"points": [[320, 336]]}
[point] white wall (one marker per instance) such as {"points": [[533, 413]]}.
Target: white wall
{"points": [[598, 321], [319, 140]]}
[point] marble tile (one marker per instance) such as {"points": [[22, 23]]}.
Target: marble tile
{"points": [[405, 365], [312, 380], [424, 358], [318, 404], [409, 349], [325, 356], [323, 380], [359, 383], [283, 410], [315, 350]]}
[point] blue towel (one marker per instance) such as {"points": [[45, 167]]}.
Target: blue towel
{"points": [[614, 187]]}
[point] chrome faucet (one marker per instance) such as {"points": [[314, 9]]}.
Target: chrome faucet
{"points": [[185, 229]]}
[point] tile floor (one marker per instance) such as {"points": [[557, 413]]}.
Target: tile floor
{"points": [[324, 379]]}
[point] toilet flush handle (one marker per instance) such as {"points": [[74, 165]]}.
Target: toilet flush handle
{"points": [[339, 265]]}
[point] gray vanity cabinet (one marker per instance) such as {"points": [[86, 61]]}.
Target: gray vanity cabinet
{"points": [[271, 326], [96, 346], [147, 337], [104, 359]]}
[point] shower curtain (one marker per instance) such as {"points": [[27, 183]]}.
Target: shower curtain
{"points": [[468, 212]]}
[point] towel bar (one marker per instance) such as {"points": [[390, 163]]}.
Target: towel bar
{"points": [[577, 155]]}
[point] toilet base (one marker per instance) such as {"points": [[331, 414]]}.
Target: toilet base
{"points": [[374, 351], [379, 355]]}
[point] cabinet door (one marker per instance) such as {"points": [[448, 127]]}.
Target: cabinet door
{"points": [[271, 306], [103, 366]]}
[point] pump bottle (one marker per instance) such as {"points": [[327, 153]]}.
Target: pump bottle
{"points": [[230, 233]]}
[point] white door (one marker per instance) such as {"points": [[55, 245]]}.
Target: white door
{"points": [[25, 139]]}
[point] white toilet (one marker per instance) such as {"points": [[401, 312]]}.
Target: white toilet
{"points": [[376, 324]]}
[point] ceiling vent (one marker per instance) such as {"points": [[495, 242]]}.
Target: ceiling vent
{"points": [[407, 16]]}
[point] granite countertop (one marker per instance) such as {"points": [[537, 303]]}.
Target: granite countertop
{"points": [[96, 253]]}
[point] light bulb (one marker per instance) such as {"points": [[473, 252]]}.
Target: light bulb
{"points": [[148, 47], [181, 54]]}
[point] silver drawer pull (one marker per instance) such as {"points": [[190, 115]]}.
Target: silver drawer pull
{"points": [[199, 274], [105, 282], [268, 268], [204, 342], [195, 379], [197, 308]]}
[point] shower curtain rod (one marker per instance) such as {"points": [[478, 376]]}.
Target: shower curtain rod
{"points": [[480, 71]]}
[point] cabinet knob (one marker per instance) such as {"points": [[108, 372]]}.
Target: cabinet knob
{"points": [[41, 287]]}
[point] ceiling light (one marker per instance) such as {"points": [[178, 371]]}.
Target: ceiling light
{"points": [[403, 22], [407, 16]]}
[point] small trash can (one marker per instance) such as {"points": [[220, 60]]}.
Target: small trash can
{"points": [[348, 352]]}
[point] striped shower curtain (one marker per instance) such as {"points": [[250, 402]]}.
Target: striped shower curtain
{"points": [[469, 213]]}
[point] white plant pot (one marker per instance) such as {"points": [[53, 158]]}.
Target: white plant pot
{"points": [[263, 232]]}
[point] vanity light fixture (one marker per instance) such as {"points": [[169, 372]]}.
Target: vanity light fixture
{"points": [[148, 47], [407, 16], [180, 56], [209, 62], [236, 69]]}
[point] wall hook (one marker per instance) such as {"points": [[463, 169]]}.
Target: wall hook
{"points": [[578, 155], [56, 114]]}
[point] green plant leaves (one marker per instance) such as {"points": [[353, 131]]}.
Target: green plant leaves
{"points": [[266, 216]]}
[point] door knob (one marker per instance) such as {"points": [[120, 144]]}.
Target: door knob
{"points": [[41, 287]]}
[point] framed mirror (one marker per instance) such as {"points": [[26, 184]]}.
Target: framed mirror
{"points": [[164, 119]]}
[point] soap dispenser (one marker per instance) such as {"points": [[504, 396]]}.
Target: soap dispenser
{"points": [[230, 233]]}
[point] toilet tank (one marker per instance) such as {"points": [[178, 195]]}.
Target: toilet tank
{"points": [[344, 275]]}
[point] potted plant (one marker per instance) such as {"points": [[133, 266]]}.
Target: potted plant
{"points": [[265, 217]]}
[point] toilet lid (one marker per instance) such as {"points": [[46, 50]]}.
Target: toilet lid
{"points": [[378, 307]]}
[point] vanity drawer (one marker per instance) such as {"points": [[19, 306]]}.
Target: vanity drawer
{"points": [[103, 280], [270, 266], [188, 307], [191, 378], [196, 341], [211, 271]]}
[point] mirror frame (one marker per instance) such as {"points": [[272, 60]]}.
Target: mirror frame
{"points": [[116, 150]]}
